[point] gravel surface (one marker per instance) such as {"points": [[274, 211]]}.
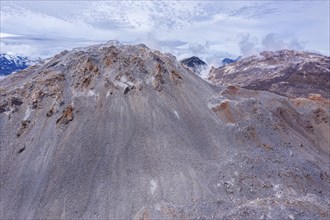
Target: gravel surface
{"points": [[124, 132]]}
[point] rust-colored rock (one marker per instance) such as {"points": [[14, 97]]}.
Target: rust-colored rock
{"points": [[175, 77], [66, 116], [223, 109]]}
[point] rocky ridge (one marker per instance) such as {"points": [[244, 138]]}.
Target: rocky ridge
{"points": [[123, 132], [285, 72]]}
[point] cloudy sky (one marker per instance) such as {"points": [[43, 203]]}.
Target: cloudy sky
{"points": [[209, 29]]}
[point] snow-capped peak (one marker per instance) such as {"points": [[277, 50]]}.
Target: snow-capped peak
{"points": [[10, 63]]}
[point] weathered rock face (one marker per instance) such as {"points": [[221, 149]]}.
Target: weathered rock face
{"points": [[122, 132], [285, 72]]}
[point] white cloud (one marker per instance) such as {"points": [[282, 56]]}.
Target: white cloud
{"points": [[13, 49], [272, 41], [250, 45], [210, 29]]}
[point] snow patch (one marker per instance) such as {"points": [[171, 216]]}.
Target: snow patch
{"points": [[277, 189], [90, 93], [120, 84], [157, 207], [176, 114], [153, 186], [27, 114], [108, 93]]}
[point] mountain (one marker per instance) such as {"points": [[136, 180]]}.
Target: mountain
{"points": [[285, 72], [227, 61], [13, 63], [195, 64], [125, 132]]}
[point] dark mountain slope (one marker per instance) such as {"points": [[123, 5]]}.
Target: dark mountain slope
{"points": [[195, 64]]}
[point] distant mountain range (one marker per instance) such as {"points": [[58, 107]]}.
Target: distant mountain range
{"points": [[195, 64], [13, 63], [285, 72], [227, 61]]}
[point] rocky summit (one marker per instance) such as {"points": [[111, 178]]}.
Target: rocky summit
{"points": [[124, 132], [195, 64], [285, 72]]}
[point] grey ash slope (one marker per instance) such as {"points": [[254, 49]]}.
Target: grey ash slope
{"points": [[122, 132], [285, 72]]}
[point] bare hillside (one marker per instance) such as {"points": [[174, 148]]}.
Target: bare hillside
{"points": [[124, 132]]}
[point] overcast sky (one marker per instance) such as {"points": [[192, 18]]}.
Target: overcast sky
{"points": [[209, 29]]}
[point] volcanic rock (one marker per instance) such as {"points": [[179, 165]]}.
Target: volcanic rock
{"points": [[124, 132]]}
